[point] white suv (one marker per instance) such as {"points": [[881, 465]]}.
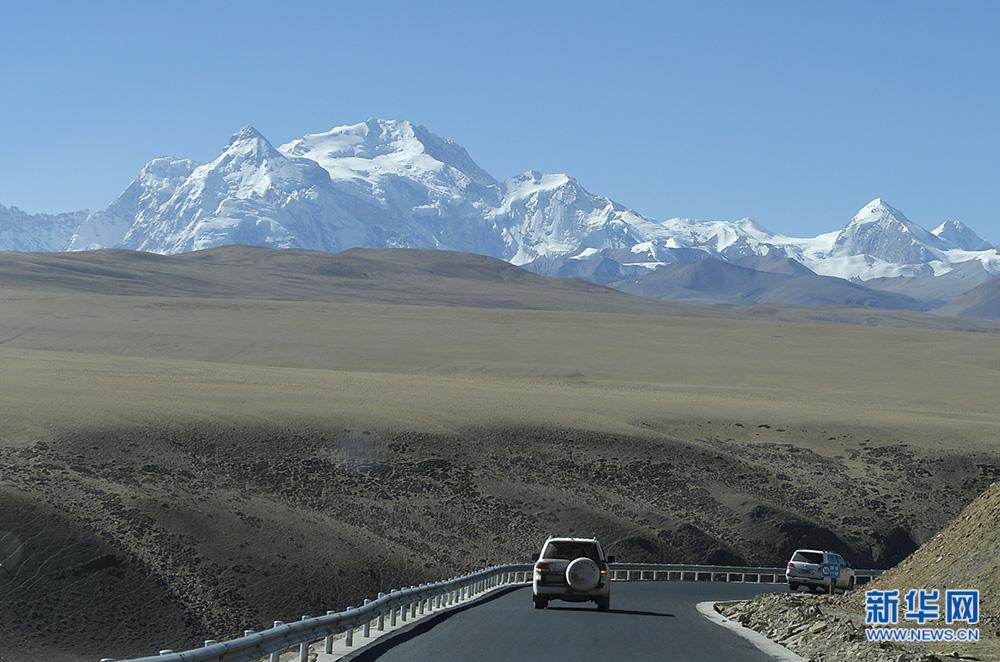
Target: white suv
{"points": [[572, 569], [806, 569]]}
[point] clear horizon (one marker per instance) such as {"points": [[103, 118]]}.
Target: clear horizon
{"points": [[792, 115]]}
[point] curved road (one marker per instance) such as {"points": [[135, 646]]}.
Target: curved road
{"points": [[647, 621]]}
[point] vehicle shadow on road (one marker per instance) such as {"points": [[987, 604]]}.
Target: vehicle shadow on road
{"points": [[627, 612]]}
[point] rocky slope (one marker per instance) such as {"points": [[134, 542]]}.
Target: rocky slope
{"points": [[962, 555]]}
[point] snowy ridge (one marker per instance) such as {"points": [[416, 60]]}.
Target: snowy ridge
{"points": [[156, 183], [21, 231], [541, 215], [412, 188], [250, 194], [391, 183], [377, 148]]}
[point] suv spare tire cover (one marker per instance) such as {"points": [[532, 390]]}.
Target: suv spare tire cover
{"points": [[582, 574]]}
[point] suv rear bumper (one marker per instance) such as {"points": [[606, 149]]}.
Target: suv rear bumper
{"points": [[813, 581], [567, 593]]}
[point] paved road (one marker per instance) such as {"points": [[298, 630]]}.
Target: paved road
{"points": [[648, 621]]}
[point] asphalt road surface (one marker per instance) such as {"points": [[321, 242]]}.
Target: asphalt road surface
{"points": [[647, 621]]}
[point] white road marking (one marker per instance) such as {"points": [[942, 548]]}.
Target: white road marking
{"points": [[774, 649]]}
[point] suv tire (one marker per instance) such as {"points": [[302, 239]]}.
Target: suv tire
{"points": [[540, 603], [604, 604]]}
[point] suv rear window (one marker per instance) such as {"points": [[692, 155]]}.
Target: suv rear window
{"points": [[569, 550], [808, 557]]}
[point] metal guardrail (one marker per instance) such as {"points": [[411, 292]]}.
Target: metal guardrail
{"points": [[402, 604], [409, 603], [715, 573]]}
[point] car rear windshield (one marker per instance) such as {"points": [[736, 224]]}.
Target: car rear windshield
{"points": [[808, 557], [569, 550]]}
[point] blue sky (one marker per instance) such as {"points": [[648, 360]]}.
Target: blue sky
{"points": [[793, 113]]}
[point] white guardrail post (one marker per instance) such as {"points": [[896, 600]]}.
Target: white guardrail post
{"points": [[275, 656], [328, 639], [414, 601], [304, 647]]}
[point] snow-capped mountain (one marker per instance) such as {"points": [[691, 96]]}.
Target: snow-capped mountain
{"points": [[136, 206], [883, 232], [411, 187], [430, 193], [392, 183], [542, 215], [21, 231], [960, 235], [878, 242], [882, 242], [376, 150], [250, 194]]}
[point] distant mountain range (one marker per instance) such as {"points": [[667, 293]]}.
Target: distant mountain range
{"points": [[388, 183]]}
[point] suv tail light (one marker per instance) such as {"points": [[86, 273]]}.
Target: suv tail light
{"points": [[539, 567], [790, 566], [602, 568]]}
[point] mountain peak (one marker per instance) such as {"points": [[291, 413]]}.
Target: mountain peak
{"points": [[385, 123], [247, 132], [370, 139], [877, 208], [545, 179], [950, 226], [249, 143], [748, 224], [881, 231], [382, 147], [166, 166], [961, 236]]}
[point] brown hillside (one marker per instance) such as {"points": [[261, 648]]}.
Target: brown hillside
{"points": [[964, 555]]}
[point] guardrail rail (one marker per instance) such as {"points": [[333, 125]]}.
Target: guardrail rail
{"points": [[410, 603]]}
